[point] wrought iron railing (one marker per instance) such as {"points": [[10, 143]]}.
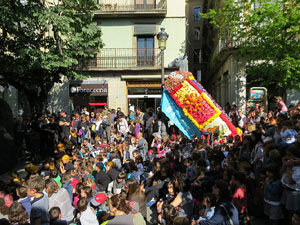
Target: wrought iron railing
{"points": [[133, 5], [115, 58]]}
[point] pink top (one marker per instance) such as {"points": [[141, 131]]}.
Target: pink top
{"points": [[282, 106], [240, 199]]}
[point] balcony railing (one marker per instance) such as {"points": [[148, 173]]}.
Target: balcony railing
{"points": [[138, 6], [224, 45], [121, 58]]}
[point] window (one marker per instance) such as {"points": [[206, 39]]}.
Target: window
{"points": [[144, 4], [145, 50], [197, 33], [197, 14], [197, 56]]}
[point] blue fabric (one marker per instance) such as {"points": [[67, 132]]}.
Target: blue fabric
{"points": [[27, 205], [176, 115]]}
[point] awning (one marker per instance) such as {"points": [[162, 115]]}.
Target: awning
{"points": [[144, 29], [131, 77]]}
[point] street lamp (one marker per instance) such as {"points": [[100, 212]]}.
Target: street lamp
{"points": [[162, 38]]}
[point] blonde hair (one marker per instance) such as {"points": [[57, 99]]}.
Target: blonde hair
{"points": [[98, 116]]}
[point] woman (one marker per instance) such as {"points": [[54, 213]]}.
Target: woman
{"points": [[121, 211], [225, 212], [252, 118], [59, 197], [98, 125], [156, 143], [257, 154], [92, 117], [135, 194], [184, 199]]}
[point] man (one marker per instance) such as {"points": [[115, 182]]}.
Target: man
{"points": [[122, 127], [142, 146], [82, 127], [87, 144], [64, 123], [105, 110], [241, 119], [84, 111], [139, 116], [102, 179]]}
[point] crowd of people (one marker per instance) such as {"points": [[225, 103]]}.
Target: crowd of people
{"points": [[109, 168]]}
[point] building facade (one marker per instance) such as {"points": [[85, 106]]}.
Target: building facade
{"points": [[126, 73], [224, 74]]}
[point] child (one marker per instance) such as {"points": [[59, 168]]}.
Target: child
{"points": [[209, 202], [24, 199], [272, 194], [104, 143], [87, 216], [135, 211], [88, 173], [239, 199], [98, 204], [112, 135], [74, 135], [116, 186], [90, 183], [126, 154], [40, 203], [77, 193], [55, 217], [86, 192], [66, 183], [171, 193], [288, 135], [54, 175], [190, 172]]}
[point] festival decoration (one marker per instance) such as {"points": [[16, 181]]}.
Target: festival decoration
{"points": [[197, 107]]}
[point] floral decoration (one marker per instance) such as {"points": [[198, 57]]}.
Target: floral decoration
{"points": [[194, 101]]}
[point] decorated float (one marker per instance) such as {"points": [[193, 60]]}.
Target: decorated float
{"points": [[187, 104]]}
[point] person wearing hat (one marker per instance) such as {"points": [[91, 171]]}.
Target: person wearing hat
{"points": [[102, 179], [66, 165], [135, 211], [98, 203]]}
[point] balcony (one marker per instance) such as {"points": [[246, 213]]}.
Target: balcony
{"points": [[223, 48], [131, 8], [125, 59]]}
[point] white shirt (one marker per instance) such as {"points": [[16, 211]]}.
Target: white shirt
{"points": [[88, 217]]}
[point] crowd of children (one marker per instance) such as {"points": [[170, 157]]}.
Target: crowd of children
{"points": [[137, 170]]}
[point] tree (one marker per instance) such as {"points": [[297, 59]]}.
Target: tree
{"points": [[266, 33], [41, 41]]}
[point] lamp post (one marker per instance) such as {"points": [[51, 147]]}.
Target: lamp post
{"points": [[162, 38]]}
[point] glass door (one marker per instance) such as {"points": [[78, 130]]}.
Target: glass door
{"points": [[145, 51]]}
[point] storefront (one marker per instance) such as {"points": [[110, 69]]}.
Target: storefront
{"points": [[90, 94], [143, 95]]}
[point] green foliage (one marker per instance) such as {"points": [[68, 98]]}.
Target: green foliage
{"points": [[42, 40], [267, 33]]}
